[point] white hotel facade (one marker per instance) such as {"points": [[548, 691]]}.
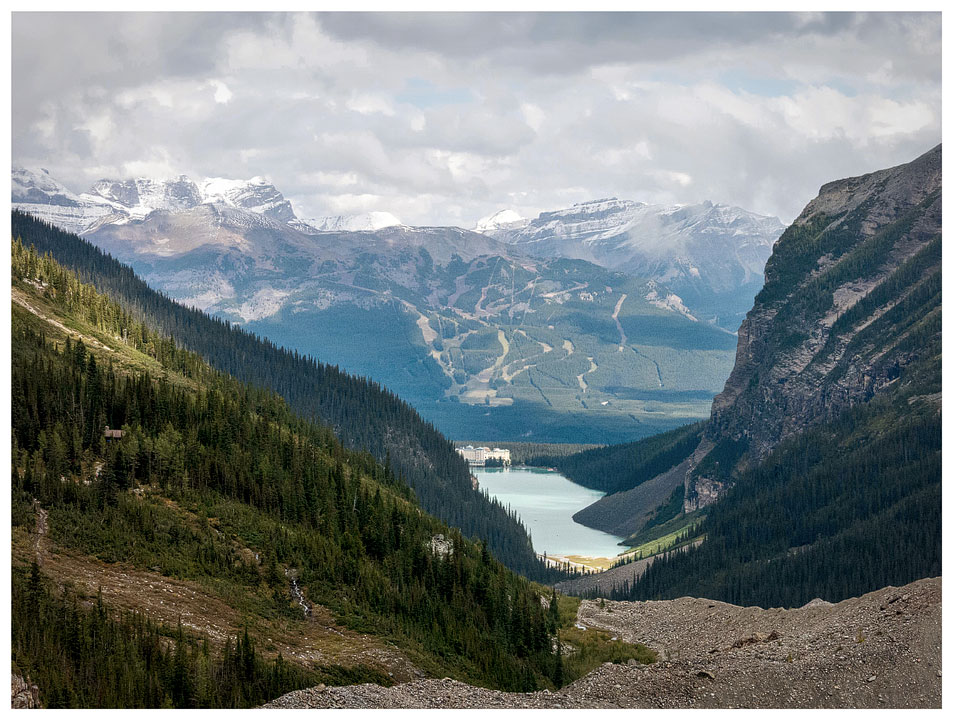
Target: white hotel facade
{"points": [[479, 455]]}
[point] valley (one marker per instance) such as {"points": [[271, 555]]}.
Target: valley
{"points": [[480, 335], [803, 469], [500, 333], [503, 332], [133, 532], [438, 360]]}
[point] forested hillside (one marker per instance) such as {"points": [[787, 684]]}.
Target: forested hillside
{"points": [[622, 467], [363, 415], [844, 508], [220, 487]]}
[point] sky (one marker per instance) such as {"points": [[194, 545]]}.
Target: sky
{"points": [[444, 118]]}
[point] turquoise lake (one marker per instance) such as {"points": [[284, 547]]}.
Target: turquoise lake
{"points": [[546, 502]]}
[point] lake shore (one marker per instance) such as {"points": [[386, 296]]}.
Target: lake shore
{"points": [[545, 502], [579, 562]]}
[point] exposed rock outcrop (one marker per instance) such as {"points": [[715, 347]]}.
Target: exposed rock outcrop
{"points": [[23, 693]]}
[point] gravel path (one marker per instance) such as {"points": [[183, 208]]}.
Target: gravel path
{"points": [[880, 650]]}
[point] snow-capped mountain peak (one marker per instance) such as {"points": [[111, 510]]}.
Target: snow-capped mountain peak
{"points": [[122, 201], [256, 195], [35, 191], [502, 220], [141, 196], [703, 252], [38, 186]]}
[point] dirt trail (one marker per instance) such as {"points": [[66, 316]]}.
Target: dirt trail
{"points": [[42, 528], [20, 299], [880, 650]]}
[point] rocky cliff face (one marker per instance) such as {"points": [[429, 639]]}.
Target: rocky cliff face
{"points": [[851, 293]]}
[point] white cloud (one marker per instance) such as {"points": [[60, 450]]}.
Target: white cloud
{"points": [[222, 93], [533, 115], [540, 111], [366, 103], [673, 177]]}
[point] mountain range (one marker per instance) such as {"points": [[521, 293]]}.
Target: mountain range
{"points": [[262, 549], [118, 202], [479, 333], [711, 255]]}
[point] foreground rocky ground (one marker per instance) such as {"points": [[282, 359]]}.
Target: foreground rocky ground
{"points": [[880, 650]]}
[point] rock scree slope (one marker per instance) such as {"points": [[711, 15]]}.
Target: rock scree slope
{"points": [[880, 650]]}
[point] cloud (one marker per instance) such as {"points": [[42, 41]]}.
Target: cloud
{"points": [[448, 117], [222, 93]]}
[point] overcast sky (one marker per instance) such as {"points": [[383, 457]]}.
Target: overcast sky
{"points": [[445, 118]]}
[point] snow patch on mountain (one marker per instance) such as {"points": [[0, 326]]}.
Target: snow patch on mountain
{"points": [[256, 195], [122, 201], [79, 220], [38, 187], [366, 222], [712, 255], [141, 196], [659, 229], [36, 192]]}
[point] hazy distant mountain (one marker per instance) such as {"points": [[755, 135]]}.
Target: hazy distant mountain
{"points": [[483, 339], [712, 256]]}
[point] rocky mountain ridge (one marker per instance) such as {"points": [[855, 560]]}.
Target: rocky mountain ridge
{"points": [[118, 202], [711, 255], [366, 222]]}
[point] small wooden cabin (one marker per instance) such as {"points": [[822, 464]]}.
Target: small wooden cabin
{"points": [[113, 434]]}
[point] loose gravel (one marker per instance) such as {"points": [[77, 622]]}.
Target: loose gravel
{"points": [[881, 650]]}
